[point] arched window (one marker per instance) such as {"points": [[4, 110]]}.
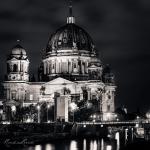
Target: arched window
{"points": [[15, 68], [13, 95]]}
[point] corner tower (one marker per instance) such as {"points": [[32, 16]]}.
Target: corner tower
{"points": [[17, 64]]}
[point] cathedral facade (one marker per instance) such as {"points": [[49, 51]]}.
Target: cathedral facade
{"points": [[69, 65]]}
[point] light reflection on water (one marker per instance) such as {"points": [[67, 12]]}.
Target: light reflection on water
{"points": [[85, 144]]}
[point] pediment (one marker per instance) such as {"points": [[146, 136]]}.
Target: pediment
{"points": [[13, 59], [60, 81], [93, 66]]}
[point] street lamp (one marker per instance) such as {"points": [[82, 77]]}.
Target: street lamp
{"points": [[13, 110], [73, 107], [48, 106], [38, 108]]}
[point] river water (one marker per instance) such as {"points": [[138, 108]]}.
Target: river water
{"points": [[81, 144]]}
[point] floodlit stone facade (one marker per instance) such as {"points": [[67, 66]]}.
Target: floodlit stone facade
{"points": [[69, 64]]}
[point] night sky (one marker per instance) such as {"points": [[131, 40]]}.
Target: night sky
{"points": [[120, 30]]}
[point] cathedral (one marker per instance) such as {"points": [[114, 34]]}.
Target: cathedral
{"points": [[70, 66]]}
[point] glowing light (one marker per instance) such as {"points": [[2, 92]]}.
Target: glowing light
{"points": [[117, 137], [84, 126], [28, 120], [13, 108], [38, 107], [73, 106], [48, 106], [73, 145], [38, 147], [95, 145], [108, 116], [94, 116], [48, 121], [109, 147], [5, 122], [84, 144], [102, 144], [148, 115], [49, 147]]}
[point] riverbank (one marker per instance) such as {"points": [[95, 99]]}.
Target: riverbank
{"points": [[30, 134]]}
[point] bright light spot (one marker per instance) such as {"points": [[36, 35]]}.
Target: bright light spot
{"points": [[28, 120], [38, 107], [108, 135], [117, 137], [38, 147], [94, 116], [148, 115], [95, 145], [84, 144], [73, 106], [73, 145], [48, 121], [13, 108], [84, 126], [48, 106], [94, 120], [49, 147], [108, 115], [109, 147], [102, 125], [102, 144], [5, 122]]}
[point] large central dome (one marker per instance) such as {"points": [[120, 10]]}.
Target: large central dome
{"points": [[70, 36]]}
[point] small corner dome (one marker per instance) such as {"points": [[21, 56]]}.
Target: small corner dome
{"points": [[18, 50]]}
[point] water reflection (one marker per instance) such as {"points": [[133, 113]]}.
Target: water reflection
{"points": [[93, 145], [102, 144], [108, 147], [73, 145], [117, 137], [38, 147], [85, 144], [49, 147]]}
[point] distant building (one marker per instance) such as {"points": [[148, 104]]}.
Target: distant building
{"points": [[69, 62]]}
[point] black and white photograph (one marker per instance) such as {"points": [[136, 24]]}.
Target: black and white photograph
{"points": [[74, 75]]}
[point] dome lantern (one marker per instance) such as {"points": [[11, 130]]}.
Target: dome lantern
{"points": [[70, 18]]}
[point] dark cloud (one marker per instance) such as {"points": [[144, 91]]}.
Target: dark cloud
{"points": [[120, 30]]}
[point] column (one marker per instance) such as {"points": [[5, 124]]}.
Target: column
{"points": [[44, 68], [89, 93], [55, 65], [47, 67]]}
